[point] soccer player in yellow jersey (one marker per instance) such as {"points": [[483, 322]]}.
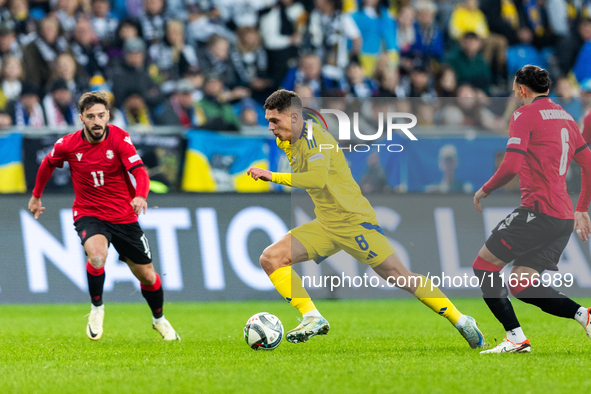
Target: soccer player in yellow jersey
{"points": [[344, 221]]}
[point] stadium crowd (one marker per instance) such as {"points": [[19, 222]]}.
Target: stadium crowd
{"points": [[211, 63]]}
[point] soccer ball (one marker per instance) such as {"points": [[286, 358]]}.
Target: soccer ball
{"points": [[263, 331]]}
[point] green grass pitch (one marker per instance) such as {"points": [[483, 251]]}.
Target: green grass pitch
{"points": [[396, 346]]}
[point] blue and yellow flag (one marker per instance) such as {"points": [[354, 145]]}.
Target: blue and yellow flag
{"points": [[12, 170], [217, 162]]}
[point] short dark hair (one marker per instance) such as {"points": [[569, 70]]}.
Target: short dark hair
{"points": [[282, 100], [535, 78], [91, 98]]}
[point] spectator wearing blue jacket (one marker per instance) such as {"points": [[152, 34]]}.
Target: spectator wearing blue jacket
{"points": [[581, 68], [429, 37], [378, 30], [523, 53]]}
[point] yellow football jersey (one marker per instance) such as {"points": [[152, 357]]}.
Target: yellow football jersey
{"points": [[339, 202]]}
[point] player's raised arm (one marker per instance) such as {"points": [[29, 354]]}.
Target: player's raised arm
{"points": [[515, 154]]}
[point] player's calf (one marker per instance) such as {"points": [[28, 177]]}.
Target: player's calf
{"points": [[549, 299]]}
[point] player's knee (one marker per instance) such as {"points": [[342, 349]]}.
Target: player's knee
{"points": [[97, 260], [271, 259], [147, 277]]}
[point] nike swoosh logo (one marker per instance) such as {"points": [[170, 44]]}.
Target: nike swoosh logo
{"points": [[92, 334]]}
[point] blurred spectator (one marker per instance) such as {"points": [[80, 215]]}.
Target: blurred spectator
{"points": [[429, 37], [248, 114], [196, 79], [565, 97], [60, 108], [469, 64], [66, 68], [39, 55], [470, 109], [252, 64], [280, 27], [446, 82], [467, 18], [419, 84], [524, 53], [204, 23], [406, 35], [376, 27], [330, 31], [448, 164], [8, 43], [172, 56], [502, 17], [153, 21], [66, 14], [4, 11], [134, 108], [581, 67], [358, 85], [25, 26], [216, 59], [214, 114], [180, 109], [388, 76], [132, 74], [309, 73], [12, 75], [241, 13], [104, 23], [127, 29], [27, 111], [374, 179], [87, 50]]}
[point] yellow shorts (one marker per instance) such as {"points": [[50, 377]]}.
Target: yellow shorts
{"points": [[366, 242]]}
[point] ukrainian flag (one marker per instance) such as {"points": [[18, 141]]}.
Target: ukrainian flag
{"points": [[12, 170], [217, 162]]}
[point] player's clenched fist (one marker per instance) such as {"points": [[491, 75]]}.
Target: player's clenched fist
{"points": [[36, 207], [139, 204], [259, 173]]}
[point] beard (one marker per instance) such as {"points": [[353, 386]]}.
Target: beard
{"points": [[93, 135]]}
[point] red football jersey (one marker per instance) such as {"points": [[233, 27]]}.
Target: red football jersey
{"points": [[586, 127], [549, 137], [102, 185]]}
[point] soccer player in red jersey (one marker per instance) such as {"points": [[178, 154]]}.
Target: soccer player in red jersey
{"points": [[543, 138], [106, 206]]}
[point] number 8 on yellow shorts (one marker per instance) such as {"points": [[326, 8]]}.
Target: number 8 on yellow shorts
{"points": [[366, 242]]}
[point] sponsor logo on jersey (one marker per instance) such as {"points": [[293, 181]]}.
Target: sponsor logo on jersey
{"points": [[516, 115], [514, 140], [79, 156], [134, 158], [549, 114], [110, 154], [128, 140], [317, 156]]}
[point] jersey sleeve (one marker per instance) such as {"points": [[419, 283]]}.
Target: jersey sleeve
{"points": [[586, 128], [127, 153], [519, 133], [58, 154]]}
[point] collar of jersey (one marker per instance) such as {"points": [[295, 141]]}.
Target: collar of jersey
{"points": [[84, 138], [540, 97]]}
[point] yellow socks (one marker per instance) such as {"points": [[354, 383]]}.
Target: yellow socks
{"points": [[437, 301], [289, 284]]}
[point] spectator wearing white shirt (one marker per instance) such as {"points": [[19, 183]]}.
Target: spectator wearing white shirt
{"points": [[330, 31], [280, 27]]}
